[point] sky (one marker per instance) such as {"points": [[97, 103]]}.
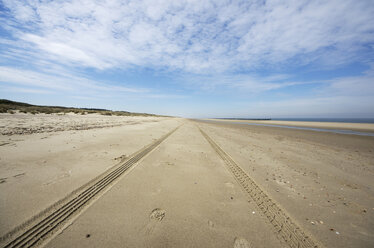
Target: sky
{"points": [[195, 58]]}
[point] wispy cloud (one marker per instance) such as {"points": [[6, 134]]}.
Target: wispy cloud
{"points": [[353, 86], [23, 90], [331, 106], [27, 81], [249, 84], [93, 48], [59, 82], [192, 36]]}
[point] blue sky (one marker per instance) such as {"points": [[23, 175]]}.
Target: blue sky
{"points": [[191, 58]]}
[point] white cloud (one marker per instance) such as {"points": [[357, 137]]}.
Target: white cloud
{"points": [[24, 90], [331, 106], [193, 36], [213, 45], [243, 83], [11, 75], [63, 83], [352, 86], [59, 82], [64, 51]]}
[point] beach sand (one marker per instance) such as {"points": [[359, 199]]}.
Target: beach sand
{"points": [[313, 124], [182, 194], [40, 168], [324, 180]]}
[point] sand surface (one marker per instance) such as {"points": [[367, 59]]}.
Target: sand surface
{"points": [[328, 125], [20, 123], [202, 204], [38, 169], [182, 194], [324, 180]]}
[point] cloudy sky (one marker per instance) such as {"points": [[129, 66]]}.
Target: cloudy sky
{"points": [[191, 58]]}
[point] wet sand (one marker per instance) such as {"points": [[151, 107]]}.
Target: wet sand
{"points": [[365, 127], [324, 180], [183, 195]]}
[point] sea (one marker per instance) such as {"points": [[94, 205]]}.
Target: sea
{"points": [[346, 120]]}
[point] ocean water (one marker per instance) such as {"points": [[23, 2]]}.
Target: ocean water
{"points": [[339, 131], [346, 120]]}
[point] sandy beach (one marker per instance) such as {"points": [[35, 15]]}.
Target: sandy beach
{"points": [[324, 180], [40, 168], [182, 192], [20, 123], [123, 124], [327, 125]]}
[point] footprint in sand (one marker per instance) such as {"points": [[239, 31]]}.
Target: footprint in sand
{"points": [[156, 217], [157, 214], [241, 243]]}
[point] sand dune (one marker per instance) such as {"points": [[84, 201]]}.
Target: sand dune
{"points": [[19, 123]]}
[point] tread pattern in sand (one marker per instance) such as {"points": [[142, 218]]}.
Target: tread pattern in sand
{"points": [[287, 229], [54, 219]]}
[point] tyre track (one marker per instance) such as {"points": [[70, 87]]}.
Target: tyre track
{"points": [[50, 221], [286, 228]]}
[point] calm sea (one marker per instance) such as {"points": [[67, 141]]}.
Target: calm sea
{"points": [[340, 131], [349, 120]]}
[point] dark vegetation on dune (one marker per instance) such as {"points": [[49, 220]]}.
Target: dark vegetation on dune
{"points": [[7, 106]]}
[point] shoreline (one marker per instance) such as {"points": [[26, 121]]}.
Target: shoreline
{"points": [[365, 127], [322, 180]]}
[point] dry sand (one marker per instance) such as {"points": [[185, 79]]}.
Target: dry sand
{"points": [[187, 182], [20, 123], [38, 169], [181, 194]]}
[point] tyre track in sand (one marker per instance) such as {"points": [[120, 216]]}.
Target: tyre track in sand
{"points": [[286, 228], [37, 230]]}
